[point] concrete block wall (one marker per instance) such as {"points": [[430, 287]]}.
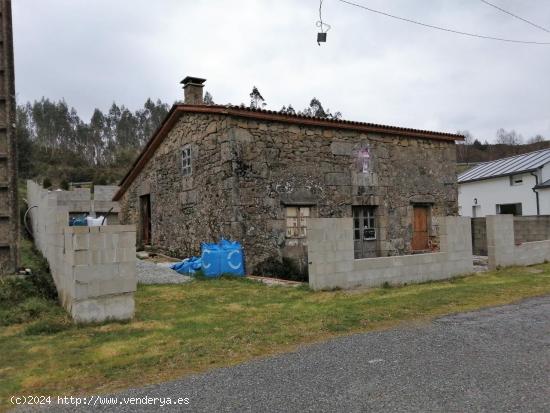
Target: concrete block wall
{"points": [[479, 236], [504, 250], [531, 228], [93, 267], [331, 262]]}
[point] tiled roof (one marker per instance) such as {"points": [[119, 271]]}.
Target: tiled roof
{"points": [[275, 115], [507, 166]]}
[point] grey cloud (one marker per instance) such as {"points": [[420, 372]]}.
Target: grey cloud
{"points": [[372, 68]]}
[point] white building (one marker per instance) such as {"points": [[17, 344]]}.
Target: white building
{"points": [[518, 185]]}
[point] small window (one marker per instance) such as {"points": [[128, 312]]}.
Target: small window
{"points": [[364, 228], [514, 209], [186, 161], [296, 222], [516, 180]]}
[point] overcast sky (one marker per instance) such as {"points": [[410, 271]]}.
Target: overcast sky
{"points": [[372, 68]]}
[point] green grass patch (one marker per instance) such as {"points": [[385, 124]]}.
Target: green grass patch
{"points": [[30, 297], [181, 329]]}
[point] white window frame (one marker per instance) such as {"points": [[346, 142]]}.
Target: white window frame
{"points": [[186, 161], [296, 221], [368, 217]]}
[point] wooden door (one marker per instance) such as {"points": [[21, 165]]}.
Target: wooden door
{"points": [[145, 218], [420, 228]]}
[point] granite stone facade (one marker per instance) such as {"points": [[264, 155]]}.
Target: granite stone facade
{"points": [[246, 172]]}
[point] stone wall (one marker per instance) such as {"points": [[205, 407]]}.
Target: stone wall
{"points": [[505, 251], [331, 262], [479, 236], [245, 172], [93, 267], [188, 210]]}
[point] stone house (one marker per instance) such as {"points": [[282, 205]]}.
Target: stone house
{"points": [[256, 176]]}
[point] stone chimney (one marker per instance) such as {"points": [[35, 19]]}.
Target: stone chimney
{"points": [[192, 90]]}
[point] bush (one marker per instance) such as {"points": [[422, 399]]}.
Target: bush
{"points": [[47, 183], [64, 185], [25, 298], [285, 269]]}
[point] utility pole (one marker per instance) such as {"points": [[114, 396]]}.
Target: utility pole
{"points": [[9, 212]]}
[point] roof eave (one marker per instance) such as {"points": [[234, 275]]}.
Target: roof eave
{"points": [[177, 109], [486, 178]]}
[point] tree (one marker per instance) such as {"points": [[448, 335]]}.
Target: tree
{"points": [[288, 110], [23, 138], [257, 101], [316, 109], [536, 139], [463, 147], [208, 99], [53, 141], [478, 145], [509, 138]]}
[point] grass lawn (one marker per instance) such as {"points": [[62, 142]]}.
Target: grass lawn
{"points": [[182, 329]]}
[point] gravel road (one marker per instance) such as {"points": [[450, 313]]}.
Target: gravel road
{"points": [[151, 273], [494, 360]]}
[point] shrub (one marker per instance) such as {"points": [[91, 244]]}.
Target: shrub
{"points": [[25, 298], [285, 269], [47, 183], [64, 185]]}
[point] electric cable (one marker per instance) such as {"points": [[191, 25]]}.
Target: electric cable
{"points": [[515, 15], [480, 36]]}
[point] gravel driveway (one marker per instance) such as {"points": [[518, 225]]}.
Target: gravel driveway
{"points": [[494, 360], [150, 273]]}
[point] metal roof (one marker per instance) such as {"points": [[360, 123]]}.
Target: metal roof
{"points": [[545, 184], [506, 166]]}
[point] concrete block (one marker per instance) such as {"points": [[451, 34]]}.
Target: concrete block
{"points": [[81, 241], [120, 307], [127, 269], [127, 239], [78, 257], [96, 240], [118, 228], [76, 230], [125, 254], [344, 266]]}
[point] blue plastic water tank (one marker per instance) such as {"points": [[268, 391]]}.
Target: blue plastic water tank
{"points": [[211, 259], [225, 257]]}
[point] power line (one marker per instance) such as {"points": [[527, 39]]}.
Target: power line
{"points": [[443, 28], [515, 15]]}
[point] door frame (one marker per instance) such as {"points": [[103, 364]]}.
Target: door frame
{"points": [[365, 247], [145, 219], [426, 243]]}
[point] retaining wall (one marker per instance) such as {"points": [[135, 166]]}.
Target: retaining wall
{"points": [[503, 248], [93, 267], [332, 263]]}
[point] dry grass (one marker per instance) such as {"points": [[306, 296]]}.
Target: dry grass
{"points": [[182, 329]]}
